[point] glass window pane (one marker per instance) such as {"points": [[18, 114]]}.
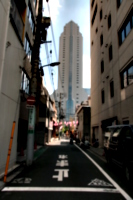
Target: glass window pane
{"points": [[123, 35], [128, 28], [125, 78], [24, 84], [27, 48], [25, 41], [130, 75], [22, 80], [27, 88], [28, 11]]}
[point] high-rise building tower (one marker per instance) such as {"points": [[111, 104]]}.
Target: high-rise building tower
{"points": [[111, 64], [70, 69]]}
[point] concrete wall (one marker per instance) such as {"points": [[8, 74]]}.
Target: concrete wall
{"points": [[9, 94], [122, 102], [11, 58]]}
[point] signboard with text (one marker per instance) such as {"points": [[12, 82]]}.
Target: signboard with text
{"points": [[31, 122]]}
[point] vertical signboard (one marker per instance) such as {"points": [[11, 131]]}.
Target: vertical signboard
{"points": [[30, 136]]}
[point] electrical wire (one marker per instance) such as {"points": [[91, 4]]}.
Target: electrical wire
{"points": [[59, 77], [48, 60], [52, 30]]}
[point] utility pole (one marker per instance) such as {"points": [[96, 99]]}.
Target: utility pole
{"points": [[36, 80], [33, 88], [59, 103]]}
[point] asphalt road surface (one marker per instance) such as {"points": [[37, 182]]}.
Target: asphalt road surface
{"points": [[63, 172]]}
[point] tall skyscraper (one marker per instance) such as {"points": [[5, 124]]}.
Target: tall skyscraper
{"points": [[111, 64], [70, 69]]}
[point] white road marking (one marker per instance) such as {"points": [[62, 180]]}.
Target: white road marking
{"points": [[9, 178], [97, 182], [58, 189], [63, 156], [61, 173], [106, 175], [62, 163], [22, 180]]}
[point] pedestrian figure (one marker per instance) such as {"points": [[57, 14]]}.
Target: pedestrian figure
{"points": [[71, 137], [96, 143]]}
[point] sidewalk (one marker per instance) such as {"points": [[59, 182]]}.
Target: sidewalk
{"points": [[19, 163], [98, 151], [22, 158]]}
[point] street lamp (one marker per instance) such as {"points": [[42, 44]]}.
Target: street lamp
{"points": [[51, 64]]}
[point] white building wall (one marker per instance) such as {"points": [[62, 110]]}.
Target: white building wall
{"points": [[11, 59]]}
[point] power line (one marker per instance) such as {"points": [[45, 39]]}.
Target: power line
{"points": [[52, 30], [48, 60], [59, 77]]}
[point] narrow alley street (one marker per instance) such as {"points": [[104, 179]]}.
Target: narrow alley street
{"points": [[63, 171]]}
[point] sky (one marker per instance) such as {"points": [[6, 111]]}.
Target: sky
{"points": [[61, 13]]}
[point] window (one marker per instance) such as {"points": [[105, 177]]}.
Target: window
{"points": [[25, 83], [27, 47], [30, 17], [94, 15], [109, 21], [102, 96], [35, 3], [96, 30], [110, 53], [17, 18], [115, 135], [102, 66], [119, 3], [101, 39], [126, 28], [125, 133], [92, 4], [101, 14], [127, 76], [111, 88], [125, 122]]}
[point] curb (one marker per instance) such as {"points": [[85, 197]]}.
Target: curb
{"points": [[96, 152], [101, 156], [37, 154], [2, 184]]}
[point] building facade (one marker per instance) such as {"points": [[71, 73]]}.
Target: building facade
{"points": [[70, 73], [17, 29], [111, 64], [83, 114]]}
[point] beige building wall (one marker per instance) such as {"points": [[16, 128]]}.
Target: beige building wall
{"points": [[116, 109], [11, 59]]}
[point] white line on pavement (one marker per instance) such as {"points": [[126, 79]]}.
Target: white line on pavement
{"points": [[106, 175], [58, 189]]}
